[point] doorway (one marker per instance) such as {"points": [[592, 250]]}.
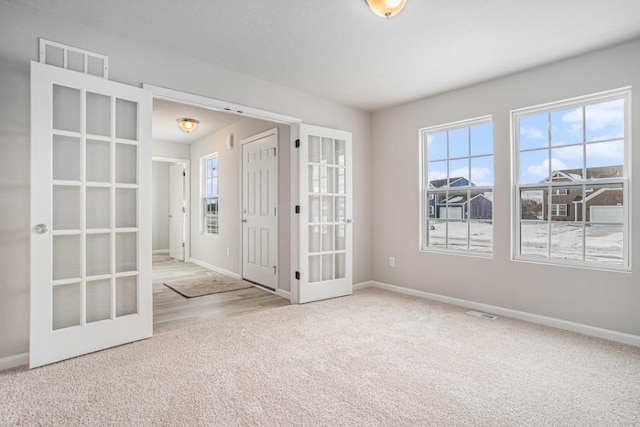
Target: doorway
{"points": [[170, 207]]}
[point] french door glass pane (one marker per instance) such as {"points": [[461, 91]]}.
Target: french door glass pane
{"points": [[98, 254], [126, 296], [98, 300], [66, 257], [126, 252], [126, 207], [66, 207], [66, 158], [314, 149], [126, 119], [98, 161], [98, 114], [66, 306], [126, 164], [314, 238], [66, 108], [98, 207]]}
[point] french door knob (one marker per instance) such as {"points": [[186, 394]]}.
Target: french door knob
{"points": [[348, 220], [40, 229], [244, 220]]}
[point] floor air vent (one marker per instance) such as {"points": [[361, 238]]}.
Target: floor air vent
{"points": [[483, 315]]}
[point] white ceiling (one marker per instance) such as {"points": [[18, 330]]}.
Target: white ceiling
{"points": [[165, 127], [338, 49]]}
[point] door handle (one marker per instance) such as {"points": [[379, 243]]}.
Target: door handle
{"points": [[40, 229], [349, 220], [170, 216], [244, 219]]}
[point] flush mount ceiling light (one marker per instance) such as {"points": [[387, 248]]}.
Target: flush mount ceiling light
{"points": [[188, 125], [386, 8]]}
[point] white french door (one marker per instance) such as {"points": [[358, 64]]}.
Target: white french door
{"points": [[325, 219], [90, 213], [176, 210], [259, 209]]}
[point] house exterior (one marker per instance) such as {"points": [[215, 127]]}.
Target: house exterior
{"points": [[458, 205], [603, 202]]}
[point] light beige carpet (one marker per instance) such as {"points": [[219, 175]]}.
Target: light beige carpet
{"points": [[373, 359], [206, 284]]}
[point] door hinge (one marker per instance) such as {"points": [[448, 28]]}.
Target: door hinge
{"points": [[275, 152], [297, 209], [274, 270], [184, 172], [183, 244], [184, 209], [297, 275], [297, 143], [275, 212]]}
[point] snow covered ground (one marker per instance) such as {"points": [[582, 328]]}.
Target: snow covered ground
{"points": [[603, 243]]}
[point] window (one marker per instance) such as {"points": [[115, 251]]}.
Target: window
{"points": [[558, 210], [457, 187], [210, 210], [571, 181]]}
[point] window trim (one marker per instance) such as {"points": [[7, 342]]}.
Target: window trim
{"points": [[203, 197], [424, 188], [623, 93]]}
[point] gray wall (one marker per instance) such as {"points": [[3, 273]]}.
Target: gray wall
{"points": [[132, 63], [160, 205], [213, 250], [600, 298]]}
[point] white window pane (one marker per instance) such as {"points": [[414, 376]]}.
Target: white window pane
{"points": [[437, 234], [458, 235], [604, 244], [459, 143], [534, 166], [436, 146], [482, 139], [605, 120], [481, 236], [605, 204], [437, 174], [567, 126], [534, 131], [605, 160], [532, 202], [533, 239], [566, 241], [459, 172], [482, 171]]}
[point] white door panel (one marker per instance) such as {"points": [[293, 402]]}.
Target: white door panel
{"points": [[90, 213], [176, 211], [325, 219], [259, 210]]}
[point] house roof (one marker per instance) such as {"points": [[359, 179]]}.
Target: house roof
{"points": [[594, 173], [438, 183]]}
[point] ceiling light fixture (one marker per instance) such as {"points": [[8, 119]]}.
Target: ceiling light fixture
{"points": [[386, 8], [188, 125]]}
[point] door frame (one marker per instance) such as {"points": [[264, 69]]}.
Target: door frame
{"points": [[244, 141], [187, 199], [255, 113]]}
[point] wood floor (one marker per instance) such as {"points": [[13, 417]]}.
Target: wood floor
{"points": [[172, 311]]}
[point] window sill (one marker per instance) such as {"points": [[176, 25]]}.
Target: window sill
{"points": [[578, 265]]}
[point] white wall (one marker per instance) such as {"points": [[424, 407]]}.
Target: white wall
{"points": [[605, 299], [134, 64], [213, 249], [160, 205]]}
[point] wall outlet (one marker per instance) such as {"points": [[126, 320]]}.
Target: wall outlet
{"points": [[392, 261], [228, 251]]}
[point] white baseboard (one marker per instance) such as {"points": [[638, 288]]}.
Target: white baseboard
{"points": [[284, 294], [215, 268], [593, 331], [14, 361], [160, 251], [363, 285]]}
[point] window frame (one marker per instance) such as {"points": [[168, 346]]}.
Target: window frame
{"points": [[426, 192], [204, 197], [623, 94]]}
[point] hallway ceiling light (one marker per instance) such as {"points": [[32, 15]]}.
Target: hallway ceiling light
{"points": [[386, 8], [188, 125]]}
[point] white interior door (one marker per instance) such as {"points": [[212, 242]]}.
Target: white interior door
{"points": [[176, 210], [90, 213], [259, 209], [325, 219]]}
